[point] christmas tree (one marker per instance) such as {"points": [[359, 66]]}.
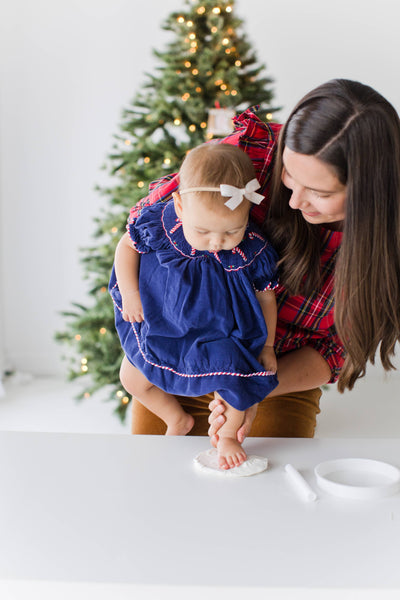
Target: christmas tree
{"points": [[207, 71]]}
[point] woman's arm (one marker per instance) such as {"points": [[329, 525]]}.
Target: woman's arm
{"points": [[299, 370], [127, 274]]}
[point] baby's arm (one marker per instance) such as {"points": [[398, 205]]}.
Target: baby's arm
{"points": [[267, 302], [127, 272]]}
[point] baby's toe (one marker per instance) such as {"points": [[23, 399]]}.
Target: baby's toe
{"points": [[222, 462]]}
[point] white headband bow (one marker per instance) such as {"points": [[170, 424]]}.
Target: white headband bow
{"points": [[235, 194]]}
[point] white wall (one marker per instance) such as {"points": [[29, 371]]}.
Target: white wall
{"points": [[67, 69]]}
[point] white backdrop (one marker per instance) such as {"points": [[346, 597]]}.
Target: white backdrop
{"points": [[67, 69]]}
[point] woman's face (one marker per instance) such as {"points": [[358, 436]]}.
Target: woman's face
{"points": [[316, 190]]}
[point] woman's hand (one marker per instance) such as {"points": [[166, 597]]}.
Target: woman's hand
{"points": [[217, 419]]}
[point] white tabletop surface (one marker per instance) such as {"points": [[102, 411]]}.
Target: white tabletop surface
{"points": [[132, 512]]}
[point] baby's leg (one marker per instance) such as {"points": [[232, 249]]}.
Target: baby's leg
{"points": [[164, 405], [230, 452]]}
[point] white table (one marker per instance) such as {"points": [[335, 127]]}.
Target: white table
{"points": [[104, 516]]}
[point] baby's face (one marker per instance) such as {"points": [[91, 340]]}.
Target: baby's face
{"points": [[213, 228]]}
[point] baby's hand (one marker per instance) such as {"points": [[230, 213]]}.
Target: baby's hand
{"points": [[268, 359], [132, 309]]}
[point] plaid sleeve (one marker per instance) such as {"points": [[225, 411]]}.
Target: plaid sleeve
{"points": [[161, 190], [309, 320], [294, 334], [331, 349], [259, 141]]}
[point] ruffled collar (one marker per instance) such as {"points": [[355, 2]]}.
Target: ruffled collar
{"points": [[238, 258]]}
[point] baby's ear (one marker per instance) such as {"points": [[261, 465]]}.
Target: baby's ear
{"points": [[177, 203]]}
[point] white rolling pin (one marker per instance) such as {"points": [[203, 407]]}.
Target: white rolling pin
{"points": [[300, 484]]}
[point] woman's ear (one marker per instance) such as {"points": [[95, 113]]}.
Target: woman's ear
{"points": [[177, 203]]}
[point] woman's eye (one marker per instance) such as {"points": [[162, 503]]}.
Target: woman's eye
{"points": [[317, 195]]}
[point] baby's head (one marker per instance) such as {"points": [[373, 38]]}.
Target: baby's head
{"points": [[208, 223]]}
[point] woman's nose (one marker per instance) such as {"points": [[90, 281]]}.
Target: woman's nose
{"points": [[297, 199]]}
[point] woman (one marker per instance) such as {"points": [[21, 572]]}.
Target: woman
{"points": [[333, 210]]}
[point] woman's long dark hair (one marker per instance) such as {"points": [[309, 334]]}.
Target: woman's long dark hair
{"points": [[352, 128]]}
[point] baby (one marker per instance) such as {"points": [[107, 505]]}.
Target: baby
{"points": [[195, 309]]}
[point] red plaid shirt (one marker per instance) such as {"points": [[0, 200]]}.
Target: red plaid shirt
{"points": [[301, 320]]}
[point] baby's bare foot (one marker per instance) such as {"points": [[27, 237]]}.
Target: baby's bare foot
{"points": [[230, 453], [181, 426]]}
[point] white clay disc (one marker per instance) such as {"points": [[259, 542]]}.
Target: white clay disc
{"points": [[207, 462]]}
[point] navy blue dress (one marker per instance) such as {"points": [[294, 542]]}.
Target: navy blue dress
{"points": [[203, 327]]}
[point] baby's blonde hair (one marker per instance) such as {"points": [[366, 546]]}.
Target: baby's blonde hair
{"points": [[213, 163]]}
